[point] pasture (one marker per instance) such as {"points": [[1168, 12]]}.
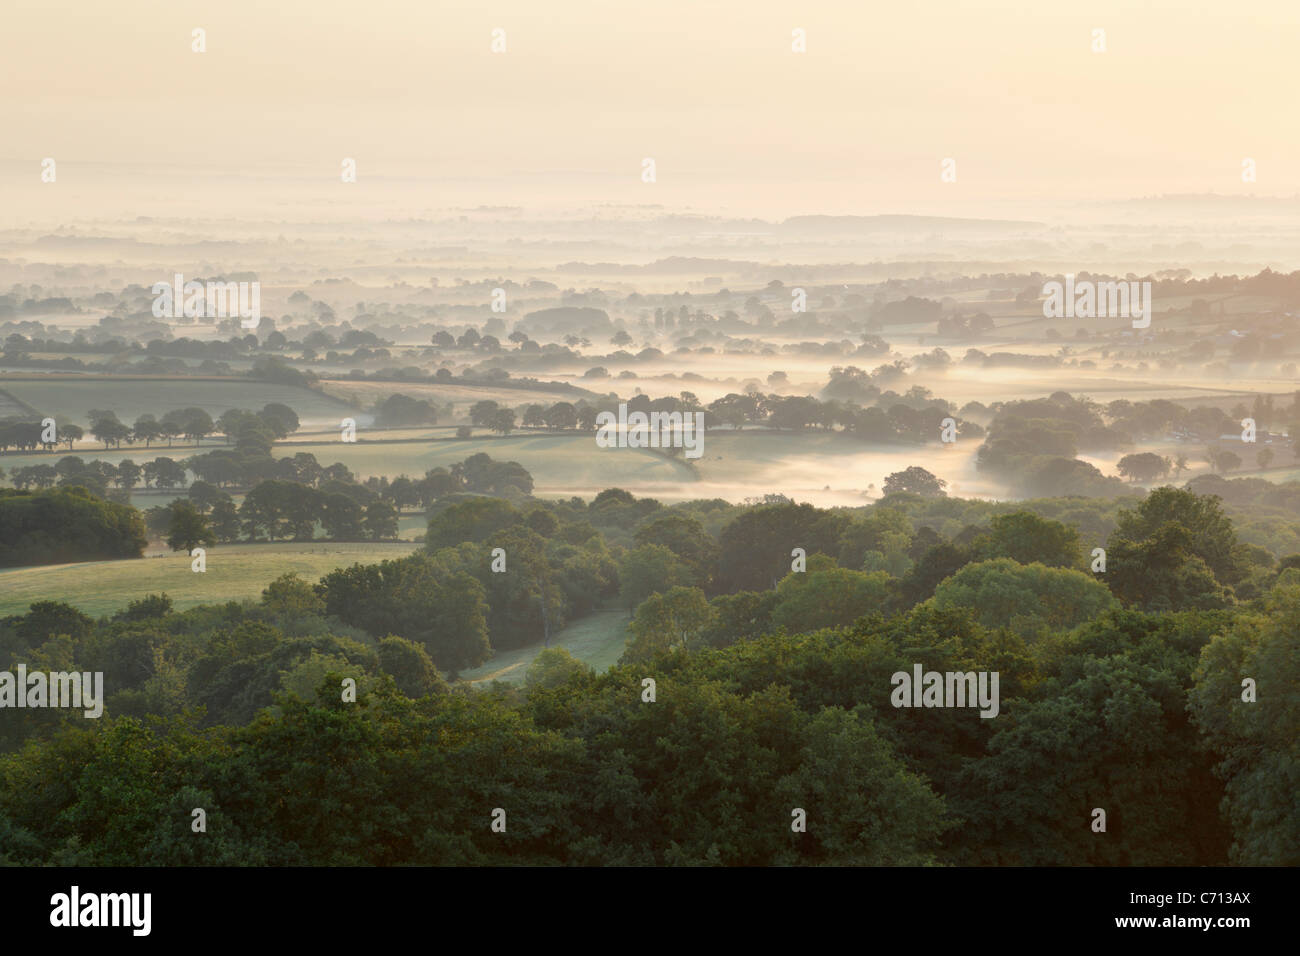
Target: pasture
{"points": [[234, 572], [130, 397], [596, 639]]}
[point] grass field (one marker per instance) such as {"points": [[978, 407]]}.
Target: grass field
{"points": [[131, 397], [1276, 474], [235, 572], [597, 639], [824, 468], [11, 407]]}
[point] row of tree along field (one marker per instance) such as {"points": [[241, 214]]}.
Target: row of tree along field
{"points": [[74, 522]]}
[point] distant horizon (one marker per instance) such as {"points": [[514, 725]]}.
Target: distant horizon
{"points": [[1032, 108]]}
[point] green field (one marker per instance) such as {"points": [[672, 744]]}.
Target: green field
{"points": [[235, 572], [597, 639], [131, 397], [1276, 474]]}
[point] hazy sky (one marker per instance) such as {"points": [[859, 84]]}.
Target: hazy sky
{"points": [[709, 88]]}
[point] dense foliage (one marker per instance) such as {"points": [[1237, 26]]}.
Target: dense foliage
{"points": [[771, 694], [66, 524]]}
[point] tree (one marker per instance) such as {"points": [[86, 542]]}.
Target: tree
{"points": [[646, 570], [1144, 466], [503, 421], [205, 495], [403, 492], [474, 519], [69, 433], [848, 773], [685, 537], [222, 468], [1024, 598], [225, 520], [754, 548], [302, 468], [1163, 571], [282, 419], [561, 415], [1026, 538], [163, 473], [341, 516], [1209, 532], [381, 521], [916, 480], [110, 431], [128, 474], [1264, 457], [269, 509], [410, 666], [1220, 459], [42, 476], [482, 474], [194, 423], [48, 619], [665, 621], [526, 605], [554, 667], [828, 596], [415, 598], [399, 409], [66, 524], [169, 427], [436, 483], [735, 617], [1254, 742], [187, 527], [289, 594], [1114, 723], [253, 435], [93, 476], [147, 608], [481, 412]]}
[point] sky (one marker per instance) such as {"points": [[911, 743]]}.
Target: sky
{"points": [[586, 89]]}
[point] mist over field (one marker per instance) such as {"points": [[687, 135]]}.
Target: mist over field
{"points": [[596, 304]]}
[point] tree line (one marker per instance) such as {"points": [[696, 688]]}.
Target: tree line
{"points": [[273, 423], [893, 418]]}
